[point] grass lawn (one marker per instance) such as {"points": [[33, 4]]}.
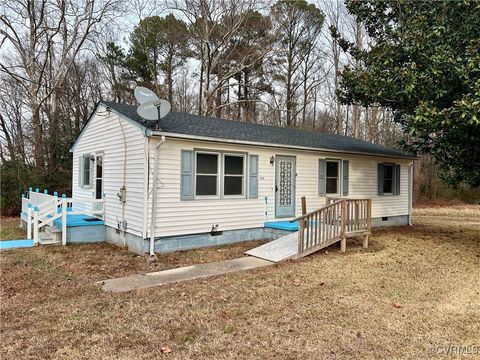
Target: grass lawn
{"points": [[10, 229], [413, 288]]}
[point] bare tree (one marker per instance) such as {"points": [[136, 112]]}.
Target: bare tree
{"points": [[298, 25], [214, 25], [44, 39]]}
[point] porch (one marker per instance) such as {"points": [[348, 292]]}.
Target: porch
{"points": [[50, 219]]}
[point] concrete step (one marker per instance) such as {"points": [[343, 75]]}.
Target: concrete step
{"points": [[49, 235], [49, 241]]}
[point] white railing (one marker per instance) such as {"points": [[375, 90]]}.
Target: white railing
{"points": [[41, 209]]}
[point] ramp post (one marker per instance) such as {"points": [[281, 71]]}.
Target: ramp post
{"points": [[365, 241], [343, 242]]}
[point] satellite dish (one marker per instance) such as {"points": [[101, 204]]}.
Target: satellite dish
{"points": [[154, 109], [151, 107], [142, 94]]}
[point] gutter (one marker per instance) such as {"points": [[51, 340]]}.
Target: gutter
{"points": [[156, 133], [154, 196]]}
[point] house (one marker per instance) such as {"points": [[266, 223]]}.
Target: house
{"points": [[220, 181]]}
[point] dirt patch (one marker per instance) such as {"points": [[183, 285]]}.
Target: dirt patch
{"points": [[413, 288]]}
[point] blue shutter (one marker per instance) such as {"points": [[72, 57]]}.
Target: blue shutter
{"points": [[380, 179], [80, 171], [186, 180], [397, 179], [322, 177], [253, 177], [92, 169], [346, 164]]}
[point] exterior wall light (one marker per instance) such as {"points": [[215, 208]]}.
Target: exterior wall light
{"points": [[272, 160]]}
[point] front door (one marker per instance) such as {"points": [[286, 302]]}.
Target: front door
{"points": [[285, 186]]}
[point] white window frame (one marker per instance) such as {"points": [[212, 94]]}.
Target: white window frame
{"points": [[218, 175], [87, 157], [243, 176], [338, 177]]}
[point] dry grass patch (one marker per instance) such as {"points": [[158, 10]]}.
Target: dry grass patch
{"points": [[415, 286], [10, 229]]}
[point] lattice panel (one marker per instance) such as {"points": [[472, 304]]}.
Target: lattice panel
{"points": [[285, 187]]}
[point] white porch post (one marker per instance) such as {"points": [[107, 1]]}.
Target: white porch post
{"points": [[29, 221], [35, 225], [64, 219]]}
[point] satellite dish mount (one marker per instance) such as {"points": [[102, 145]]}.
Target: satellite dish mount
{"points": [[151, 107]]}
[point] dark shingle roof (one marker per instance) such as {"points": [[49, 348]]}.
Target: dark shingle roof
{"points": [[195, 125]]}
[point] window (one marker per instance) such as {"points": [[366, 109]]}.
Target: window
{"points": [[234, 172], [387, 179], [207, 174], [86, 167], [98, 177], [219, 174], [332, 177]]}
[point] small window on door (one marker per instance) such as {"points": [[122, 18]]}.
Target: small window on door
{"points": [[332, 177], [207, 174]]}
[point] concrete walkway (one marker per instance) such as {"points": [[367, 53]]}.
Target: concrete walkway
{"points": [[143, 281]]}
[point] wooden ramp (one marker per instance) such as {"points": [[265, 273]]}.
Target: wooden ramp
{"points": [[340, 219], [286, 247], [277, 250]]}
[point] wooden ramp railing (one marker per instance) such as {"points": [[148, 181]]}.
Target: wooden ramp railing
{"points": [[339, 219]]}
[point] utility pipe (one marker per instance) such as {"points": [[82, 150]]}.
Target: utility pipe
{"points": [[154, 196]]}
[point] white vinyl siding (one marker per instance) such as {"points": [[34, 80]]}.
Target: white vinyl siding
{"points": [[176, 217], [103, 134]]}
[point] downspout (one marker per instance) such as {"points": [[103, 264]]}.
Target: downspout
{"points": [[154, 196], [122, 195]]}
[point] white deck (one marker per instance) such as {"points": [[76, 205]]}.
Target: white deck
{"points": [[281, 249]]}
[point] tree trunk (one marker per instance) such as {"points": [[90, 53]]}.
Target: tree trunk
{"points": [[219, 93], [169, 76]]}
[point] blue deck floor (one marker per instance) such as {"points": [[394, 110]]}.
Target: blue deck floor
{"points": [[78, 220], [282, 225], [11, 244]]}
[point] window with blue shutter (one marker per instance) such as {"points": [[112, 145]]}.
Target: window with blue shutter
{"points": [[346, 165], [80, 171], [397, 179], [253, 177], [186, 180], [380, 179], [388, 179], [322, 176]]}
